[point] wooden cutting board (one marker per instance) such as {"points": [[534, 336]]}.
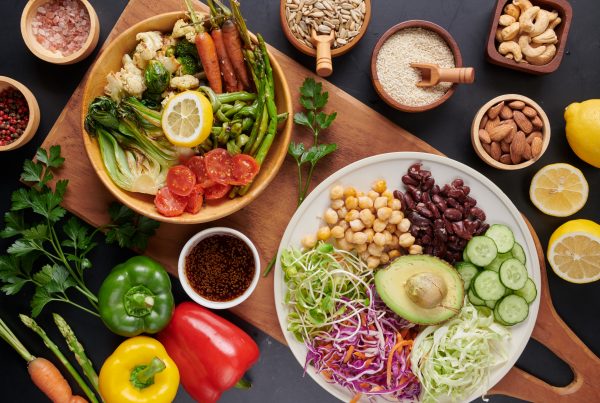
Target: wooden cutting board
{"points": [[265, 220]]}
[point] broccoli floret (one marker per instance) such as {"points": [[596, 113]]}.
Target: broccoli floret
{"points": [[189, 65], [184, 48]]}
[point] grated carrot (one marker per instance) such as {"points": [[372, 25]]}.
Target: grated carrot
{"points": [[348, 354], [356, 398], [398, 345]]}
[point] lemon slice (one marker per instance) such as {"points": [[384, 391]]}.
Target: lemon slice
{"points": [[559, 190], [187, 119], [574, 251]]}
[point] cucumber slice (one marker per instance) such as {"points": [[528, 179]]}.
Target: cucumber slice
{"points": [[474, 299], [467, 271], [518, 253], [487, 285], [484, 310], [465, 257], [529, 292], [513, 309], [490, 304], [481, 250], [497, 262], [497, 317], [513, 274], [502, 236]]}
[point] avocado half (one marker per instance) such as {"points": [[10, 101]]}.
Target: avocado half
{"points": [[421, 289]]}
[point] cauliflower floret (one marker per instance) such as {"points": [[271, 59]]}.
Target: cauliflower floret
{"points": [[182, 28], [167, 97], [129, 79], [150, 43], [114, 87], [185, 82], [170, 62]]}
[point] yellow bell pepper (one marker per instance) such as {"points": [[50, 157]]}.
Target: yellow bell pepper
{"points": [[139, 371]]}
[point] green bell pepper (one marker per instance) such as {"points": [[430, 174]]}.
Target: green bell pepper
{"points": [[136, 298]]}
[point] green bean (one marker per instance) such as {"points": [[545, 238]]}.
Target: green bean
{"points": [[235, 108], [247, 124], [236, 128], [221, 116], [233, 148], [282, 117], [241, 140], [212, 97], [216, 130], [226, 108], [247, 111], [261, 132], [230, 97]]}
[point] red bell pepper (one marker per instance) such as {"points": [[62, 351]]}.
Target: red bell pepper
{"points": [[212, 354]]}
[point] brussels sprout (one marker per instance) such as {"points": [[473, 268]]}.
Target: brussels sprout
{"points": [[157, 77]]}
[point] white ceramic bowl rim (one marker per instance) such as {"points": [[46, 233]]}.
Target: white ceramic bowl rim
{"points": [[193, 241]]}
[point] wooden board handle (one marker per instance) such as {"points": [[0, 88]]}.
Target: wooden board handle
{"points": [[553, 332]]}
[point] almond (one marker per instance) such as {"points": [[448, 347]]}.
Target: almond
{"points": [[505, 159], [511, 123], [517, 147], [529, 112], [491, 123], [487, 148], [505, 146], [484, 136], [495, 152], [537, 122], [494, 111], [523, 122], [536, 147], [506, 113], [500, 132], [483, 121], [534, 135], [516, 104], [508, 139], [527, 152]]}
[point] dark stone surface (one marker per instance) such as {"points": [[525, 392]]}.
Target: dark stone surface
{"points": [[278, 377]]}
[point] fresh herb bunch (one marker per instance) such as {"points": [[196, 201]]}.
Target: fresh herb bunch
{"points": [[313, 99], [63, 246]]}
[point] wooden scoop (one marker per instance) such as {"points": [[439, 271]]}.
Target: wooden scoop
{"points": [[323, 45], [432, 74]]}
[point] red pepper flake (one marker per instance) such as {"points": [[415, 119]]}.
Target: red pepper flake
{"points": [[14, 115], [220, 268], [61, 26]]}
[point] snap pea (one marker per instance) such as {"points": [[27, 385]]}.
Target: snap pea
{"points": [[212, 97], [230, 97]]}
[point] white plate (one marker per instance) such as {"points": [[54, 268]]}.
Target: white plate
{"points": [[391, 167]]}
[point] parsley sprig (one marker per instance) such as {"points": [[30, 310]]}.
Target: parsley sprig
{"points": [[313, 99], [51, 253]]}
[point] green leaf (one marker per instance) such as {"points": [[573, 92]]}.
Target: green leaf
{"points": [[53, 278], [37, 233], [14, 287], [324, 121], [77, 234], [301, 119], [40, 299], [120, 213], [23, 247], [32, 172], [320, 100], [310, 87], [309, 155], [307, 103], [129, 229], [21, 199], [14, 224], [52, 159], [296, 150], [14, 273], [321, 151]]}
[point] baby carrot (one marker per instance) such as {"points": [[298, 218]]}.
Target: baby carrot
{"points": [[233, 44], [231, 81]]}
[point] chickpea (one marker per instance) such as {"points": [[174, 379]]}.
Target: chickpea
{"points": [[370, 234], [351, 202], [344, 245], [396, 217], [352, 215], [388, 195], [357, 225], [388, 237], [330, 216], [406, 240], [364, 255], [361, 248], [323, 234], [390, 228], [404, 225], [349, 191], [380, 202], [394, 243], [380, 186], [342, 213], [384, 213], [375, 250], [384, 258], [344, 225], [371, 194], [373, 262], [309, 241], [336, 192], [337, 232], [394, 254], [395, 204], [379, 239], [364, 202], [359, 238], [378, 225], [349, 235], [415, 250], [367, 217], [337, 204], [359, 194]]}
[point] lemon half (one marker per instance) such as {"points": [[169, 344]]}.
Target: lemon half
{"points": [[559, 190], [187, 119]]}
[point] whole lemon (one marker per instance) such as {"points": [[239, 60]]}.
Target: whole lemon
{"points": [[583, 130]]}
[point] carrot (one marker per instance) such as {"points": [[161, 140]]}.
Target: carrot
{"points": [[50, 381], [77, 399], [356, 398], [210, 61], [231, 81], [233, 45], [398, 345]]}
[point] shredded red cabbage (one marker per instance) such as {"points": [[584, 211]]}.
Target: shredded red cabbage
{"points": [[355, 352]]}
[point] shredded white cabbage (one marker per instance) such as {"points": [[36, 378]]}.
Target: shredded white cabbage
{"points": [[454, 359]]}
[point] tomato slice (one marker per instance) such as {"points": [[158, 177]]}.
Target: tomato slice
{"points": [[181, 180], [169, 204], [217, 191], [244, 169], [219, 165], [195, 200], [198, 167]]}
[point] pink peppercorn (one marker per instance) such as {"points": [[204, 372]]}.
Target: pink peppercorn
{"points": [[14, 115]]}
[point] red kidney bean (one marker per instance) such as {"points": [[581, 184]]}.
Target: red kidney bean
{"points": [[424, 211], [466, 190], [452, 202], [458, 183], [435, 190], [453, 214], [408, 180], [431, 206], [477, 213]]}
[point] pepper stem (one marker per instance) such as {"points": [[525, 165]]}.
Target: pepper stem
{"points": [[139, 301], [142, 376], [243, 384]]}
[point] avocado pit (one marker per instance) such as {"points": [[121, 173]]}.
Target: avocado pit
{"points": [[426, 289]]}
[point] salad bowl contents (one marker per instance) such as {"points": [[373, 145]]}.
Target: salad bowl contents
{"points": [[391, 331], [175, 136]]}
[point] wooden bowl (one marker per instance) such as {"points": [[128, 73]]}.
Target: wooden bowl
{"points": [[110, 60], [413, 24], [483, 110], [310, 51], [565, 12], [88, 47], [34, 113]]}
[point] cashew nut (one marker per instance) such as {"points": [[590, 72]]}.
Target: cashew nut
{"points": [[545, 57], [548, 36], [505, 20], [542, 20], [512, 10], [526, 19], [511, 47], [527, 50], [499, 34], [509, 33], [554, 23], [523, 4]]}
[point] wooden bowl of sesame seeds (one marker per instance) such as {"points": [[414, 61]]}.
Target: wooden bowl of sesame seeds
{"points": [[444, 52]]}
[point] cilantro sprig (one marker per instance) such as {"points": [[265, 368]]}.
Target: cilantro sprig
{"points": [[313, 99], [50, 251]]}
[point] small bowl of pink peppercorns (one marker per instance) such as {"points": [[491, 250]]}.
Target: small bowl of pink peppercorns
{"points": [[19, 114]]}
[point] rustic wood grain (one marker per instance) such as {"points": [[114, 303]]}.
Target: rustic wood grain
{"points": [[360, 132]]}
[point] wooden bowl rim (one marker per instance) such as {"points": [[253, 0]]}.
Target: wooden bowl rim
{"points": [[475, 131], [34, 114], [313, 52], [563, 7], [88, 46], [428, 25], [284, 133]]}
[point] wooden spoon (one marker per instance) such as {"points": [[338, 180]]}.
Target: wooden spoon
{"points": [[432, 74], [323, 45]]}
